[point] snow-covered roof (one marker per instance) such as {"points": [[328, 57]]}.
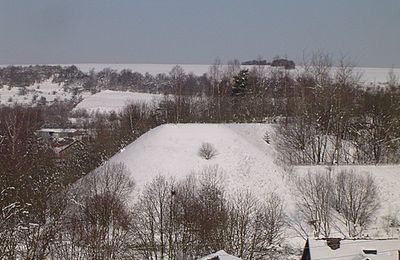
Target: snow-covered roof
{"points": [[222, 255], [360, 249], [59, 130]]}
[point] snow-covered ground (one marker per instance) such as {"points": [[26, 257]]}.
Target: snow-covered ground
{"points": [[108, 100], [245, 160]]}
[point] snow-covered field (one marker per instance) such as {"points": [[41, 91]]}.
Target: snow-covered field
{"points": [[43, 92], [108, 100], [244, 159], [47, 91]]}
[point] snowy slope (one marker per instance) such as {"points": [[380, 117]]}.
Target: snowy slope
{"points": [[108, 100], [244, 159]]}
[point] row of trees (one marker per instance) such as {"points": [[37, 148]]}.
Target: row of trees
{"points": [[170, 219]]}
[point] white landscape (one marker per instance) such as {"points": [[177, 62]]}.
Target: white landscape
{"points": [[252, 181], [200, 130]]}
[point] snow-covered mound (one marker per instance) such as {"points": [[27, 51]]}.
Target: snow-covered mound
{"points": [[243, 158], [108, 100]]}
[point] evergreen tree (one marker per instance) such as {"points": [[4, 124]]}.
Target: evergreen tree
{"points": [[240, 82]]}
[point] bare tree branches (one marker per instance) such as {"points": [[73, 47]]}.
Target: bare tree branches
{"points": [[327, 200]]}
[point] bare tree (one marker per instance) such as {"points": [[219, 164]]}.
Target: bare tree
{"points": [[207, 151], [177, 75], [255, 226], [215, 75], [152, 217], [326, 199], [314, 195], [393, 80], [356, 200], [98, 219]]}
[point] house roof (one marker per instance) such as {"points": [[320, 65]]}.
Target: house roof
{"points": [[222, 255], [360, 249]]}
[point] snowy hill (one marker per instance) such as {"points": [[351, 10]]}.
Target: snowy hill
{"points": [[108, 100], [245, 160]]}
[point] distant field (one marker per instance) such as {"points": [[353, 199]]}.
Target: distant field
{"points": [[108, 100]]}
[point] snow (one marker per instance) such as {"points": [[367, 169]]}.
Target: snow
{"points": [[108, 100], [353, 250], [244, 160], [46, 89], [222, 255]]}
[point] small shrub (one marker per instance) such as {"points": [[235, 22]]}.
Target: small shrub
{"points": [[267, 138], [34, 98], [22, 91], [207, 151]]}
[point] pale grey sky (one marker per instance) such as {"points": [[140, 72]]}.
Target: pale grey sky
{"points": [[186, 31]]}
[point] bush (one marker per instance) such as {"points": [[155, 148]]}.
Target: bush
{"points": [[207, 151]]}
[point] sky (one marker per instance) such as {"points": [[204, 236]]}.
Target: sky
{"points": [[197, 32]]}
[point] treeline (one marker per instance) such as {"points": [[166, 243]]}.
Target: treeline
{"points": [[334, 120]]}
